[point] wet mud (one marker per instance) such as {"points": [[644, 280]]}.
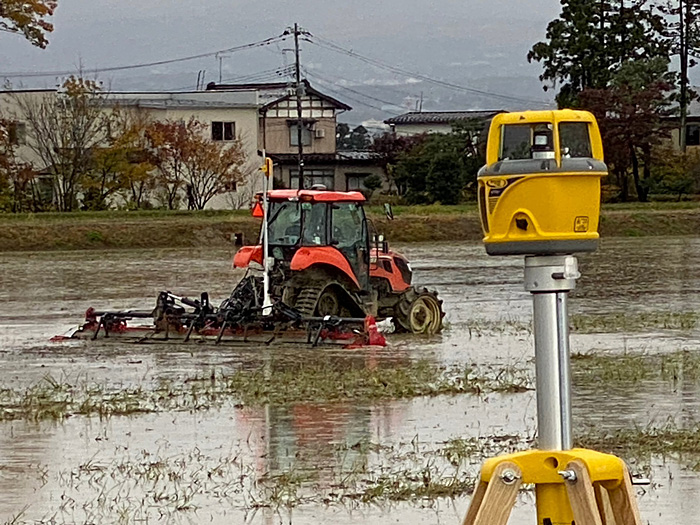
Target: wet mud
{"points": [[354, 461]]}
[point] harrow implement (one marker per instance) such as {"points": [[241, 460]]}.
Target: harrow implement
{"points": [[239, 318]]}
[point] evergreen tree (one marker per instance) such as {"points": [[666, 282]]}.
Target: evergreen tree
{"points": [[683, 32], [590, 40]]}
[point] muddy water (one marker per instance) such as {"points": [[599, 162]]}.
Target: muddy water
{"points": [[85, 470]]}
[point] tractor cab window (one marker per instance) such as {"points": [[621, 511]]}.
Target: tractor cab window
{"points": [[574, 140], [314, 233], [284, 226], [349, 236], [347, 224]]}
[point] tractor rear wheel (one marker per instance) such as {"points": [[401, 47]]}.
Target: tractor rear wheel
{"points": [[419, 312], [322, 300], [328, 303]]}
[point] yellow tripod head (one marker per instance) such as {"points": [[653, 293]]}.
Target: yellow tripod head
{"points": [[539, 192]]}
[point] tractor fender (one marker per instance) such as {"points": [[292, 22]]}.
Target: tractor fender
{"points": [[246, 254], [308, 256]]}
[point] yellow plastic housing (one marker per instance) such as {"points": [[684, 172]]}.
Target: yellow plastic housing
{"points": [[541, 203]]}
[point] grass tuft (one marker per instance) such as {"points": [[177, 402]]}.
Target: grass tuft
{"points": [[315, 381]]}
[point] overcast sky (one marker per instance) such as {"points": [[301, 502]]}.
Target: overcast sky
{"points": [[474, 43], [413, 33]]}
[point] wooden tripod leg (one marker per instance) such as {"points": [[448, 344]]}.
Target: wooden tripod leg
{"points": [[475, 503], [492, 502], [581, 495], [624, 502], [603, 501]]}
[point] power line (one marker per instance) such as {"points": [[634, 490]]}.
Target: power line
{"points": [[331, 83], [261, 43], [356, 100], [261, 76], [328, 44], [389, 87]]}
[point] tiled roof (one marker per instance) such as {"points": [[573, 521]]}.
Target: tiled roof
{"points": [[273, 92], [174, 104], [358, 155], [441, 117], [329, 158]]}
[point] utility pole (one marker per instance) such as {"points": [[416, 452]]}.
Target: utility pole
{"points": [[299, 94], [683, 30]]}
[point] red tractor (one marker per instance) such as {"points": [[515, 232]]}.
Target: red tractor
{"points": [[323, 262]]}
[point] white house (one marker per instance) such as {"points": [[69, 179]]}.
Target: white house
{"points": [[261, 116]]}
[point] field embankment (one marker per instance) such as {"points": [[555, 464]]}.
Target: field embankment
{"points": [[159, 229]]}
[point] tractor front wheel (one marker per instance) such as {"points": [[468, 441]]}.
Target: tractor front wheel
{"points": [[419, 312]]}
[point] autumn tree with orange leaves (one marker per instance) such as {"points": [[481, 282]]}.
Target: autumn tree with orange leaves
{"points": [[190, 164], [28, 18]]}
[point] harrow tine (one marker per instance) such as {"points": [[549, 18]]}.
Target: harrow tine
{"points": [[221, 332], [189, 332], [97, 331]]}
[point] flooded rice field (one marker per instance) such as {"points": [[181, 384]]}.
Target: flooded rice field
{"points": [[121, 433]]}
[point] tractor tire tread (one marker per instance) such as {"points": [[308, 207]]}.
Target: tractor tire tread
{"points": [[403, 307]]}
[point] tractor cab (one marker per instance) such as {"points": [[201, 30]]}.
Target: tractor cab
{"points": [[321, 261], [316, 228], [306, 227]]}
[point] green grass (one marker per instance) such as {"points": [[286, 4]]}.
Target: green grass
{"points": [[162, 228], [634, 322], [313, 381], [374, 210], [120, 215], [423, 210], [642, 443], [628, 368], [653, 206]]}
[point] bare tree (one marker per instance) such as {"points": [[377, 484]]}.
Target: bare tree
{"points": [[246, 186], [63, 130]]}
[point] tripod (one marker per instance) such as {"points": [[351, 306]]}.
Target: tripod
{"points": [[572, 486]]}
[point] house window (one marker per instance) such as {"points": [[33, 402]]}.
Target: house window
{"points": [[305, 135], [17, 133], [311, 177], [692, 135], [223, 131], [356, 181]]}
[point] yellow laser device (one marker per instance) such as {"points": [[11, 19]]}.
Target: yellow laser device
{"points": [[539, 192]]}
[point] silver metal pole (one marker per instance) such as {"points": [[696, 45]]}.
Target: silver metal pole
{"points": [[267, 300], [549, 279], [564, 369]]}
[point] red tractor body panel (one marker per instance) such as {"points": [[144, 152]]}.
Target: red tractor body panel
{"points": [[246, 254], [385, 268], [308, 256]]}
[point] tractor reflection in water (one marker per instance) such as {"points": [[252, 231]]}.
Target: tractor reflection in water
{"points": [[324, 263]]}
